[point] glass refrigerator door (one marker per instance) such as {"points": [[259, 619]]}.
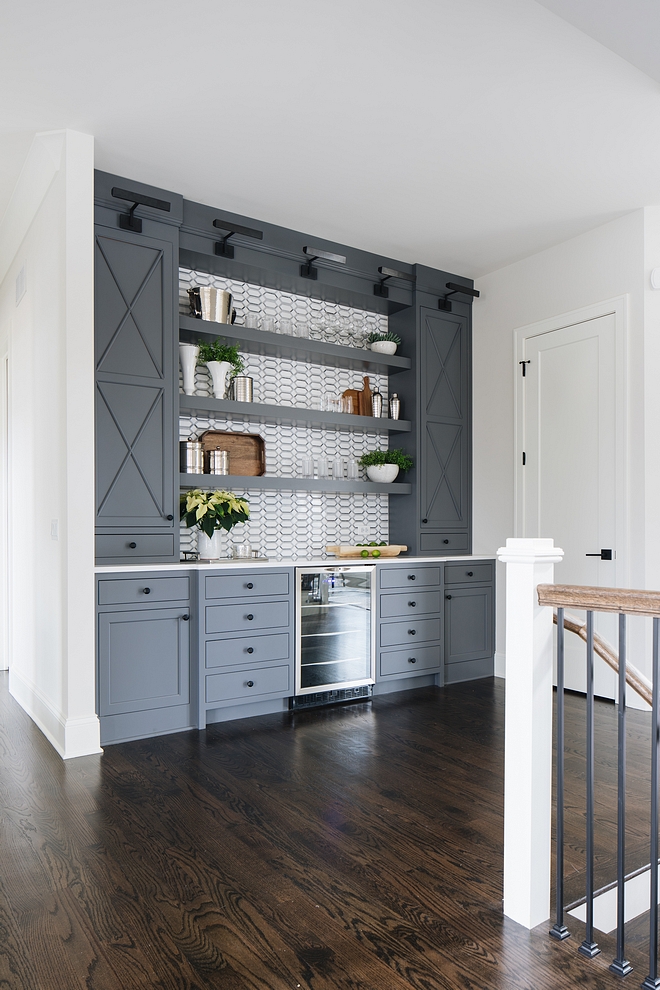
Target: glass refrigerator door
{"points": [[335, 628]]}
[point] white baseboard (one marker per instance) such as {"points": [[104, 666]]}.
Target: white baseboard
{"points": [[500, 664], [69, 737]]}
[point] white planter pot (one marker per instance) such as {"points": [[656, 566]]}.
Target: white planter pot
{"points": [[384, 347], [218, 371], [188, 354], [210, 548], [384, 473]]}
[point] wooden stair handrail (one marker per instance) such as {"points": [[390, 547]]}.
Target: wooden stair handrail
{"points": [[600, 599], [634, 677]]}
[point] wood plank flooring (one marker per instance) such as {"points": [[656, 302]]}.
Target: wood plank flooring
{"points": [[358, 847]]}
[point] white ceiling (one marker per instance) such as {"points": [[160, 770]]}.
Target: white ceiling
{"points": [[462, 134]]}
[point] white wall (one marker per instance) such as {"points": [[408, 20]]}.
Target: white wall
{"points": [[604, 263], [48, 231]]}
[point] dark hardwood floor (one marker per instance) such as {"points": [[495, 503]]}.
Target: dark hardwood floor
{"points": [[357, 847]]}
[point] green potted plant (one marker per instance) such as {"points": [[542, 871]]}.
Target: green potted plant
{"points": [[384, 465], [211, 513], [384, 343], [221, 359]]}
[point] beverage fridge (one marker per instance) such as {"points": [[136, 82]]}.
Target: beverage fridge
{"points": [[335, 628]]}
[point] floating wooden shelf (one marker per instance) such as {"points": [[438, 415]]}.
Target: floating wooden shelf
{"points": [[270, 482]]}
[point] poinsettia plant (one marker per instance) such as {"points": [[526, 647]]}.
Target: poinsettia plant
{"points": [[213, 510]]}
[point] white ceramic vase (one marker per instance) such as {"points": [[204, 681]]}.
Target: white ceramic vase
{"points": [[384, 346], [384, 473], [218, 371], [209, 547], [188, 354]]}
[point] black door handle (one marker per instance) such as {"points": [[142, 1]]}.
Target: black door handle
{"points": [[249, 585], [424, 520], [411, 577], [412, 659], [412, 632], [448, 597], [169, 517], [445, 541], [604, 554], [132, 545], [250, 649], [249, 617], [250, 683], [185, 617], [146, 591], [412, 604], [470, 573]]}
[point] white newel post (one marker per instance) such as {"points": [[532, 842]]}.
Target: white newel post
{"points": [[528, 730]]}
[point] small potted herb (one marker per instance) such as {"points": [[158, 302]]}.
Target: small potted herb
{"points": [[221, 359], [384, 343], [384, 465]]}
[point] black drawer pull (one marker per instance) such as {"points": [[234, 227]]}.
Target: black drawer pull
{"points": [[412, 604], [411, 577], [146, 591], [249, 617], [445, 541], [412, 632], [169, 517], [249, 585], [412, 659], [424, 520], [250, 649], [470, 573], [132, 545], [185, 617], [448, 597], [250, 683]]}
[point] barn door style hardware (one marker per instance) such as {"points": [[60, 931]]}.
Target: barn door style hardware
{"points": [[523, 365], [454, 287], [130, 221], [308, 271], [604, 554], [381, 289], [226, 250]]}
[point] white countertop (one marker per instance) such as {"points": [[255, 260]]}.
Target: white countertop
{"points": [[193, 565]]}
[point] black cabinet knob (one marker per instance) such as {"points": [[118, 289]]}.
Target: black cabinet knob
{"points": [[132, 545], [411, 577], [249, 585], [412, 659], [169, 517], [250, 683], [412, 604], [412, 632], [185, 617], [470, 573], [445, 541], [250, 649], [448, 597], [249, 617], [424, 520], [146, 591]]}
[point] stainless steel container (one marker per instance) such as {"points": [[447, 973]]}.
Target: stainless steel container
{"points": [[191, 457], [242, 388], [376, 404], [217, 461], [395, 406]]}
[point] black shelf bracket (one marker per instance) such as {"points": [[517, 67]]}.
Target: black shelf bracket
{"points": [[130, 221], [226, 250], [308, 271], [380, 289], [444, 303]]}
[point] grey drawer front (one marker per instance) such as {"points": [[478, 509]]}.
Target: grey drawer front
{"points": [[246, 585], [410, 661], [145, 546], [252, 649], [409, 577], [247, 684], [411, 631], [444, 542], [246, 617], [144, 590], [411, 603], [468, 573]]}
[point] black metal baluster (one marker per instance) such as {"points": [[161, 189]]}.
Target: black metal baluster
{"points": [[620, 965], [652, 982], [559, 929], [589, 947]]}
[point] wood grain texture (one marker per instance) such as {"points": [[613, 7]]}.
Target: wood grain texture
{"points": [[358, 848], [626, 600]]}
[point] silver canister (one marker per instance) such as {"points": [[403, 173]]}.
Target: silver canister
{"points": [[217, 461], [376, 404], [395, 406], [191, 457], [242, 388]]}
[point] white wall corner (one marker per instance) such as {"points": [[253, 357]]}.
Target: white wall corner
{"points": [[69, 737], [500, 663]]}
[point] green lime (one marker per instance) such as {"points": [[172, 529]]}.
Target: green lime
{"points": [[375, 553], [373, 544], [382, 543], [364, 553]]}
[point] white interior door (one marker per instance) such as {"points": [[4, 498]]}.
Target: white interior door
{"points": [[569, 478]]}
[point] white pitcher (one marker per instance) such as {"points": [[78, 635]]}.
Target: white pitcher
{"points": [[188, 354]]}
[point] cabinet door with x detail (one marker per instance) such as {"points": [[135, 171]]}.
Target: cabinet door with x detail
{"points": [[445, 414], [134, 351]]}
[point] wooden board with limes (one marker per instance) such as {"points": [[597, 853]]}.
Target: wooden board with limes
{"points": [[371, 550]]}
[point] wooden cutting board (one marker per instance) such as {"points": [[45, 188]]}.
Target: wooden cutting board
{"points": [[247, 451], [392, 550]]}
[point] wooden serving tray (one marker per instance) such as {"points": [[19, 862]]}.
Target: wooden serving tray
{"points": [[392, 550], [247, 451]]}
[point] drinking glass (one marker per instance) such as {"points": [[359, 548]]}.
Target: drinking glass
{"points": [[323, 467], [352, 469], [347, 403], [307, 467], [252, 320], [286, 326], [268, 323], [301, 330], [338, 467]]}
